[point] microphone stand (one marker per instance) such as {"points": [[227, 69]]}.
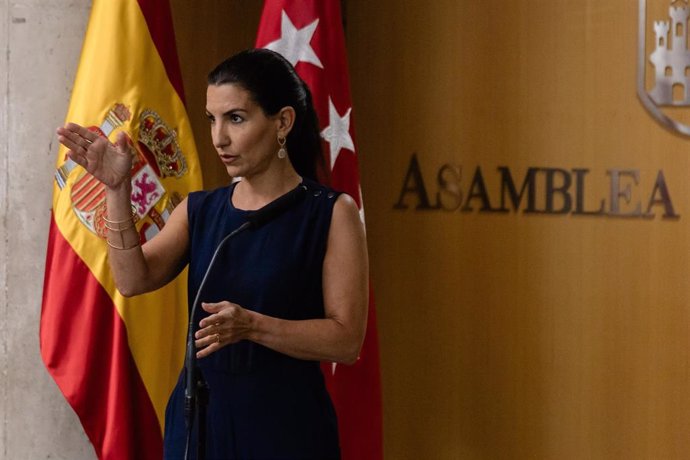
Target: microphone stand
{"points": [[196, 390]]}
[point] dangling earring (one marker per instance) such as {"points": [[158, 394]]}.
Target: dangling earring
{"points": [[282, 153]]}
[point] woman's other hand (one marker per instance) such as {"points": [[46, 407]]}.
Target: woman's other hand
{"points": [[110, 164], [227, 323]]}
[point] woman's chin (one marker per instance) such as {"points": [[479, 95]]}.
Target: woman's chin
{"points": [[233, 171]]}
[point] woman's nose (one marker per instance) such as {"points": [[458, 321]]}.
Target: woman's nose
{"points": [[219, 136]]}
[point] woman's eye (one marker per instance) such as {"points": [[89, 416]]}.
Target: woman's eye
{"points": [[236, 119]]}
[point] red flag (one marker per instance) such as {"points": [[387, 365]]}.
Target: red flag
{"points": [[310, 35], [116, 359]]}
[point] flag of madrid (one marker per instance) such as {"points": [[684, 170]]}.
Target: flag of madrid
{"points": [[310, 35]]}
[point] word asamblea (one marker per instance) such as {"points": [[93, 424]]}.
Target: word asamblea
{"points": [[542, 191]]}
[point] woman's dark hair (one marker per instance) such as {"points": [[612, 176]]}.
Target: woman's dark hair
{"points": [[273, 84]]}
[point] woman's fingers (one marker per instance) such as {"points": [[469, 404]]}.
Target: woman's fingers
{"points": [[215, 307], [207, 350], [122, 143], [210, 329], [209, 340], [75, 140], [67, 139], [82, 132], [216, 330], [212, 339]]}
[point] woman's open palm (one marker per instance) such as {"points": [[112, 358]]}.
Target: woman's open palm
{"points": [[109, 163]]}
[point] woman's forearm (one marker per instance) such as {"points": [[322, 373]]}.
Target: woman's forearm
{"points": [[125, 254], [317, 339]]}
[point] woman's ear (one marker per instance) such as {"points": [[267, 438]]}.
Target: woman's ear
{"points": [[286, 120]]}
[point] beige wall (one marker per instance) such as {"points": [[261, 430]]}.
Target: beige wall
{"points": [[39, 48]]}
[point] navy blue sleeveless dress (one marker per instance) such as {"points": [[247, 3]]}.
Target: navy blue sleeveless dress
{"points": [[262, 404]]}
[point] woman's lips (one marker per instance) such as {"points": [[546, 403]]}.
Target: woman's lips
{"points": [[228, 159]]}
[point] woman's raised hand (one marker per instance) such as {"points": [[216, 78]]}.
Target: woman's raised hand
{"points": [[110, 164]]}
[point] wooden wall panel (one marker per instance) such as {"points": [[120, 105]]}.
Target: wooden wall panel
{"points": [[505, 335], [207, 32], [513, 335]]}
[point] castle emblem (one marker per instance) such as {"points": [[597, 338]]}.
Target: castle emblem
{"points": [[663, 68]]}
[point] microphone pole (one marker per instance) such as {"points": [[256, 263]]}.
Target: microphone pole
{"points": [[196, 390]]}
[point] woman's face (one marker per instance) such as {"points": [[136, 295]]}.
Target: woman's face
{"points": [[244, 137]]}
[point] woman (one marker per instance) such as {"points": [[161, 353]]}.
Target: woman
{"points": [[282, 297]]}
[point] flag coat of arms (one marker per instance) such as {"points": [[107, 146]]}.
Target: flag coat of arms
{"points": [[310, 35], [116, 359]]}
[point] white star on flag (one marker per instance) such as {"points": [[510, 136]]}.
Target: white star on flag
{"points": [[337, 133], [293, 43]]}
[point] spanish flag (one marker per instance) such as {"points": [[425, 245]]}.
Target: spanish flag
{"points": [[116, 360]]}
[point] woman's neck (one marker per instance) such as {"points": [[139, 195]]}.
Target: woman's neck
{"points": [[257, 191]]}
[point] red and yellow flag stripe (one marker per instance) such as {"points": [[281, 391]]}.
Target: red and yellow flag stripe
{"points": [[116, 359]]}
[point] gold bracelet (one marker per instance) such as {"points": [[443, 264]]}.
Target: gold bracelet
{"points": [[129, 219], [123, 248], [122, 236], [132, 219], [119, 229]]}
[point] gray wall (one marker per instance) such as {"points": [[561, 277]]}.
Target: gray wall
{"points": [[40, 42]]}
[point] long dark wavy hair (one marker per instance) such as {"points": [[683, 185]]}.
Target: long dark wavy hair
{"points": [[273, 84]]}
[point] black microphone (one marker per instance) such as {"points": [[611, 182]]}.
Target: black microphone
{"points": [[254, 220]]}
